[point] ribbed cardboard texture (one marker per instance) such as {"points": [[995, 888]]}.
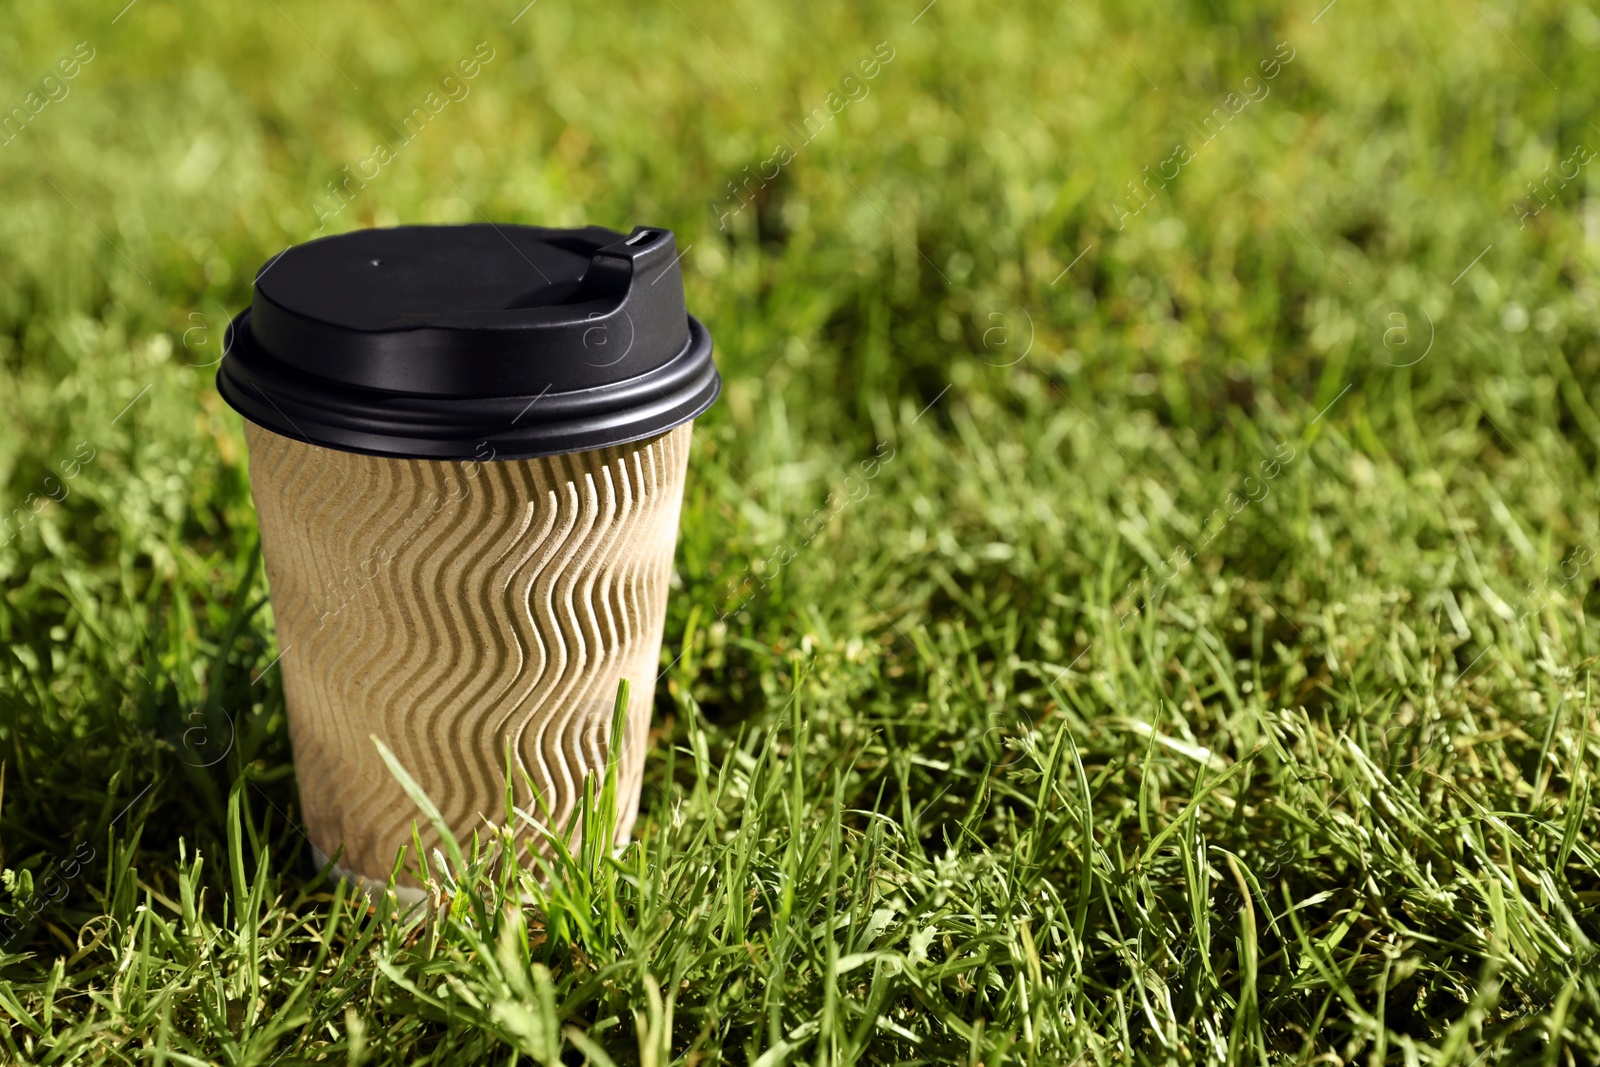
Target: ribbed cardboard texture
{"points": [[452, 607]]}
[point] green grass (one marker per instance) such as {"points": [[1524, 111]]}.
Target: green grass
{"points": [[1189, 683]]}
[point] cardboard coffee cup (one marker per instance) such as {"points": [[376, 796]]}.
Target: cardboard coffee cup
{"points": [[467, 453]]}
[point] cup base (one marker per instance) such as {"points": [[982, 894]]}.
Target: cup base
{"points": [[374, 889]]}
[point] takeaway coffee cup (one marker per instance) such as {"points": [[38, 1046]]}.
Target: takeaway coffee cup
{"points": [[467, 453]]}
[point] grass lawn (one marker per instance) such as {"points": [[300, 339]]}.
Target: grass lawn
{"points": [[1132, 599]]}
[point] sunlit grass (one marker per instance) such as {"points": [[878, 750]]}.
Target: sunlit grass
{"points": [[1094, 638]]}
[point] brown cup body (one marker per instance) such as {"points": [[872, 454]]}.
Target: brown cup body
{"points": [[453, 608]]}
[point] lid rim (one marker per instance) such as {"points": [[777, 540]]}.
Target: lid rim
{"points": [[348, 418]]}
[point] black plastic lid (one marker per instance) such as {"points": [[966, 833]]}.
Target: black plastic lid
{"points": [[435, 341]]}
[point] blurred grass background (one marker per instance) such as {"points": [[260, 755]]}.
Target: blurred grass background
{"points": [[981, 772]]}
